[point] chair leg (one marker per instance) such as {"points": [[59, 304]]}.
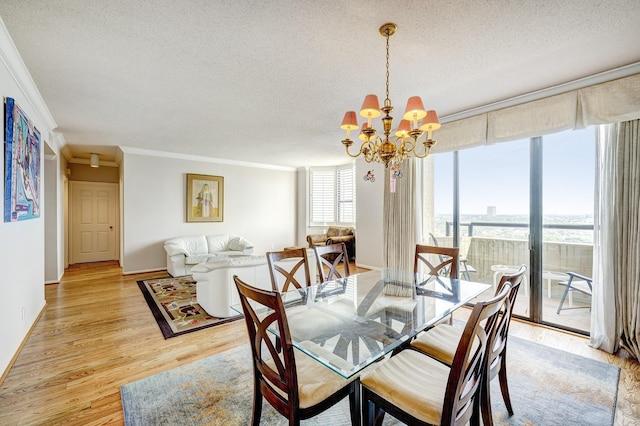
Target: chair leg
{"points": [[564, 296], [354, 404], [372, 415], [504, 386], [256, 412], [485, 403], [475, 415]]}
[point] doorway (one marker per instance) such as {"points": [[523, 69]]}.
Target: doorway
{"points": [[94, 222]]}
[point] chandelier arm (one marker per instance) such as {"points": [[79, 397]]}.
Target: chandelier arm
{"points": [[346, 148], [427, 148]]}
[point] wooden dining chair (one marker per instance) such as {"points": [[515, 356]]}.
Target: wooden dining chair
{"points": [[433, 260], [419, 390], [465, 269], [296, 385], [441, 343], [329, 258], [289, 269]]}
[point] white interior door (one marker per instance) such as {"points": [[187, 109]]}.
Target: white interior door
{"points": [[93, 221]]}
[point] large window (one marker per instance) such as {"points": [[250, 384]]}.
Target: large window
{"points": [[333, 195], [521, 202]]}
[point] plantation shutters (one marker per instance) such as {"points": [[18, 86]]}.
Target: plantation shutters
{"points": [[332, 195]]}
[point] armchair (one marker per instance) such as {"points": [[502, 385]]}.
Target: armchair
{"points": [[335, 235]]}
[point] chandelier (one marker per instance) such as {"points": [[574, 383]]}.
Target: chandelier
{"points": [[416, 121]]}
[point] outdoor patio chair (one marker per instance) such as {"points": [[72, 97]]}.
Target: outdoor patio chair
{"points": [[578, 283]]}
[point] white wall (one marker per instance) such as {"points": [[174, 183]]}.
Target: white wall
{"points": [[21, 243], [259, 204]]}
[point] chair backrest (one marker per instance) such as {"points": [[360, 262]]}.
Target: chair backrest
{"points": [[469, 365], [272, 369], [447, 258], [331, 256], [284, 267]]}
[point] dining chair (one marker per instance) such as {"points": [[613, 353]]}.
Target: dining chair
{"points": [[289, 268], [578, 283], [419, 390], [297, 386], [441, 343], [446, 256], [465, 268], [329, 258]]}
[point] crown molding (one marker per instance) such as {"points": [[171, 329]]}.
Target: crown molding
{"points": [[165, 154]]}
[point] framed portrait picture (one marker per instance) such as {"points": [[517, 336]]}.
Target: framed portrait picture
{"points": [[205, 198]]}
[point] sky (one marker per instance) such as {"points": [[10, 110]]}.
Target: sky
{"points": [[498, 175]]}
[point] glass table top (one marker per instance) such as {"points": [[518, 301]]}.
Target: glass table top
{"points": [[349, 323]]}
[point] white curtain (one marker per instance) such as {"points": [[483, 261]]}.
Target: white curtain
{"points": [[604, 334], [628, 238], [402, 216], [615, 313]]}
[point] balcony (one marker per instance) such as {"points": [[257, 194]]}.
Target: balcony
{"points": [[483, 253]]}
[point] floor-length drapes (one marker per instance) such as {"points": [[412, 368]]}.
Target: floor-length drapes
{"points": [[628, 221], [604, 333], [402, 216]]}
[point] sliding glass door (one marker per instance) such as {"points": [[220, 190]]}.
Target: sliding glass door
{"points": [[567, 243], [526, 202]]}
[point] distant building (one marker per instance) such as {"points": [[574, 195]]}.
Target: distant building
{"points": [[491, 211]]}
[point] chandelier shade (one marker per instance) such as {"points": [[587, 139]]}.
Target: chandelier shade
{"points": [[416, 121]]}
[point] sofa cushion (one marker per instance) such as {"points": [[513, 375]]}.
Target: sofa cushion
{"points": [[239, 244], [333, 231], [201, 258], [218, 243], [186, 245], [346, 231]]}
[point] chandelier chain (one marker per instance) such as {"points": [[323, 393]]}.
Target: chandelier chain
{"points": [[387, 101]]}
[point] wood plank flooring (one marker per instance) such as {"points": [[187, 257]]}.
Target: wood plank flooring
{"points": [[97, 334]]}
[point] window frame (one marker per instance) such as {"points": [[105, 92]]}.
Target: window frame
{"points": [[340, 201]]}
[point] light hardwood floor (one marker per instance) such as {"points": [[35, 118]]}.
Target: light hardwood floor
{"points": [[97, 334]]}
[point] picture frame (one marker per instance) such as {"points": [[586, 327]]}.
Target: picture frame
{"points": [[22, 200], [205, 198]]}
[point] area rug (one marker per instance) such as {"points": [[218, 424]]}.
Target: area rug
{"points": [[175, 307], [548, 387]]}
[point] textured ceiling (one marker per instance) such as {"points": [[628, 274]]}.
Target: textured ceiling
{"points": [[269, 81]]}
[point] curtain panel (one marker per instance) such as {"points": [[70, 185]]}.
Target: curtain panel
{"points": [[627, 184], [611, 102], [402, 216], [604, 332]]}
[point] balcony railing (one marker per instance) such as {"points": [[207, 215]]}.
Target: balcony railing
{"points": [[471, 225]]}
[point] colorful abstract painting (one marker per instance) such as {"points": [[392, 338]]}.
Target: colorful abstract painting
{"points": [[21, 165]]}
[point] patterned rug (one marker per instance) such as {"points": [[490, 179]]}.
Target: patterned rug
{"points": [[175, 307], [547, 386]]}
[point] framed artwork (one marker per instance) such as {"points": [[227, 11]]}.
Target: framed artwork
{"points": [[205, 198], [21, 166]]}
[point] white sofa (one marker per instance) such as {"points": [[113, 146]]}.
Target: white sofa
{"points": [[185, 252], [215, 288]]}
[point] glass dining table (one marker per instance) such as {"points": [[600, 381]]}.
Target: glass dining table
{"points": [[349, 323]]}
